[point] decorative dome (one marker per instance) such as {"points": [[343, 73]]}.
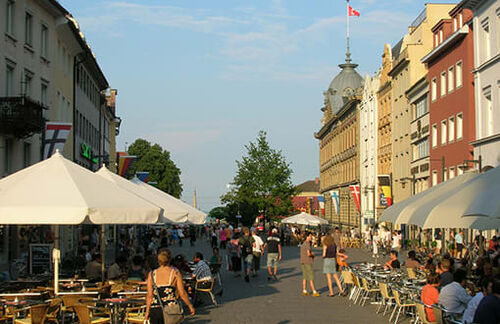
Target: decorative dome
{"points": [[346, 84]]}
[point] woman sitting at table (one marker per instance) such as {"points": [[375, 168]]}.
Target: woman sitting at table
{"points": [[393, 263], [412, 261], [164, 283], [430, 295]]}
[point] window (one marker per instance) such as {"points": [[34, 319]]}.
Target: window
{"points": [[26, 154], [69, 113], [443, 132], [421, 107], [443, 84], [44, 42], [434, 177], [434, 135], [459, 126], [451, 129], [59, 117], [460, 171], [28, 28], [460, 20], [8, 146], [458, 73], [9, 17], [440, 36], [28, 83], [9, 80], [489, 112], [451, 75], [486, 48], [433, 89], [43, 93], [445, 174], [64, 60], [455, 24], [452, 173], [63, 109], [421, 149], [436, 40]]}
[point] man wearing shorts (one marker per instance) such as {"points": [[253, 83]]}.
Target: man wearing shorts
{"points": [[306, 261], [247, 243], [273, 245]]}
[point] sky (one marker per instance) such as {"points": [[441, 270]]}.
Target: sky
{"points": [[202, 78]]}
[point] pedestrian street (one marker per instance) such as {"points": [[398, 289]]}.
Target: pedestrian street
{"points": [[280, 302]]}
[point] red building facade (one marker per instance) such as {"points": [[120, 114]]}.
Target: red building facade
{"points": [[451, 95]]}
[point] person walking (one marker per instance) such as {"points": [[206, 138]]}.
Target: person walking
{"points": [[162, 285], [273, 245], [459, 244], [330, 264], [306, 261], [235, 254], [247, 243], [223, 239], [257, 252]]}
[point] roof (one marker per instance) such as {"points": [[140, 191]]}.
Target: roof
{"points": [[397, 48], [308, 186], [344, 85]]}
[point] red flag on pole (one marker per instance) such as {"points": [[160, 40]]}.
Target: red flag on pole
{"points": [[353, 12], [355, 194]]}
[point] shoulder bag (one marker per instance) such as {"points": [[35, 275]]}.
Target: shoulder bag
{"points": [[173, 312]]}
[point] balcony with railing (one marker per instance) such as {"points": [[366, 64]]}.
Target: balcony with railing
{"points": [[20, 116]]}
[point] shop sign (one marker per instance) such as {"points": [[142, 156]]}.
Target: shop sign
{"points": [[86, 152]]}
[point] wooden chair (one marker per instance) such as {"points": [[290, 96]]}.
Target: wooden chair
{"points": [[387, 298], [85, 315], [421, 313], [54, 310], [439, 314], [135, 315], [202, 287], [346, 279], [411, 273], [400, 305], [358, 289], [37, 315]]}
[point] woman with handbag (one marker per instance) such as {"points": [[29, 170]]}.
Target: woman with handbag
{"points": [[162, 304]]}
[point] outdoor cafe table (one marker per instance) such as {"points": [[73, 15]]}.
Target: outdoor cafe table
{"points": [[116, 306], [20, 304], [77, 293], [21, 294]]}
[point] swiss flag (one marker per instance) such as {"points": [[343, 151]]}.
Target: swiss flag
{"points": [[355, 194], [353, 12]]}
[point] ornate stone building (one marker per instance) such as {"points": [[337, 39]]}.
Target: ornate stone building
{"points": [[339, 143], [384, 130]]}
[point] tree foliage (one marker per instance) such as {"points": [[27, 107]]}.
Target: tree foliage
{"points": [[155, 160], [262, 183]]}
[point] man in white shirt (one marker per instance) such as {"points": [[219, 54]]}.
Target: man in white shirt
{"points": [[453, 296], [257, 252], [486, 289], [396, 241]]}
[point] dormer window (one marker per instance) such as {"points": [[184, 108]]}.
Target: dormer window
{"points": [[436, 40], [455, 23], [440, 36], [460, 20]]}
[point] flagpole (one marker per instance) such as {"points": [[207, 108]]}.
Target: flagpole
{"points": [[348, 53]]}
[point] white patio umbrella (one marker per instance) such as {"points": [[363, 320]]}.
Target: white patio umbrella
{"points": [[475, 205], [195, 216], [172, 212], [57, 191], [305, 219]]}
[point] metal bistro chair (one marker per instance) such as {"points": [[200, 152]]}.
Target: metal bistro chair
{"points": [[357, 291], [206, 286], [346, 279], [400, 305], [135, 315], [387, 298], [369, 288], [421, 313]]}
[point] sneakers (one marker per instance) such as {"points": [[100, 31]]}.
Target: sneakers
{"points": [[315, 294], [247, 279], [305, 293]]}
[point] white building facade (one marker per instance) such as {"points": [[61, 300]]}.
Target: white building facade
{"points": [[486, 25], [368, 130]]}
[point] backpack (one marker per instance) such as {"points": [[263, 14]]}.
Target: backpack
{"points": [[247, 246]]}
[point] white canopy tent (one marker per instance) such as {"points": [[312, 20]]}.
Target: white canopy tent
{"points": [[172, 211], [195, 216], [57, 191], [305, 219]]}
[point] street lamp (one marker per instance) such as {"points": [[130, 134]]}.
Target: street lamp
{"points": [[465, 165]]}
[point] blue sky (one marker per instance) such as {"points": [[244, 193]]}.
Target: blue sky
{"points": [[202, 77]]}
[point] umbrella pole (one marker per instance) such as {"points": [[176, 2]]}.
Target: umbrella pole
{"points": [[103, 254], [56, 257]]}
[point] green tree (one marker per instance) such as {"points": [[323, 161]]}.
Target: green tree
{"points": [[155, 160], [262, 183]]}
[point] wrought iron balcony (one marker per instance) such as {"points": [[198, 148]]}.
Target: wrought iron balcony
{"points": [[20, 116]]}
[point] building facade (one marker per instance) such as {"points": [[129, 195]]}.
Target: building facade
{"points": [[417, 97], [486, 26], [339, 145], [384, 137], [408, 70], [368, 114], [452, 112], [307, 198]]}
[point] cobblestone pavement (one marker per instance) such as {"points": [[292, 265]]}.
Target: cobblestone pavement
{"points": [[280, 302]]}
